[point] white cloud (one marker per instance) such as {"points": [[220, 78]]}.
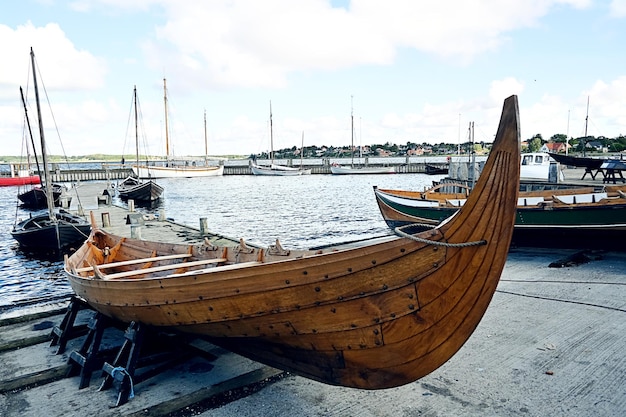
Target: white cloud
{"points": [[618, 8], [259, 43], [62, 65], [251, 49]]}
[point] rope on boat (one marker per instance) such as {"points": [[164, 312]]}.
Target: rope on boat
{"points": [[80, 231], [399, 232]]}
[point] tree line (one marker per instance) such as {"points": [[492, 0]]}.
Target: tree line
{"points": [[600, 144]]}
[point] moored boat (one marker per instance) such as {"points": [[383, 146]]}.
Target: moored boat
{"points": [[338, 169], [42, 234], [370, 316], [35, 198], [277, 170], [18, 174], [584, 217], [134, 188], [173, 169], [435, 169], [51, 232], [577, 161], [538, 166], [140, 191], [350, 170]]}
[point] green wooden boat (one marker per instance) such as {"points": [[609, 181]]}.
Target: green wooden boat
{"points": [[567, 218]]}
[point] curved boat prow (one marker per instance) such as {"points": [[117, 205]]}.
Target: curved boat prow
{"points": [[499, 181]]}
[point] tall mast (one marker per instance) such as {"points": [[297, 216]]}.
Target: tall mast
{"points": [[167, 130], [136, 127], [474, 173], [586, 124], [352, 129], [567, 136], [44, 155], [271, 136], [30, 131], [302, 152], [206, 147]]}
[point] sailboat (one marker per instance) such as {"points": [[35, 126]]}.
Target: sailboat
{"points": [[132, 188], [338, 169], [275, 169], [35, 197], [172, 169], [51, 231]]}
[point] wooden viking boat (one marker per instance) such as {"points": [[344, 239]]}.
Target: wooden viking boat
{"points": [[373, 316]]}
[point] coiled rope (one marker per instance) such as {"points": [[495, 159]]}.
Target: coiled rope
{"points": [[399, 232]]}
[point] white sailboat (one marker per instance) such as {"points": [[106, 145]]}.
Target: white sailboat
{"points": [[338, 169], [178, 170], [276, 169]]}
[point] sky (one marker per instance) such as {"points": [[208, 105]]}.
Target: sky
{"points": [[398, 71]]}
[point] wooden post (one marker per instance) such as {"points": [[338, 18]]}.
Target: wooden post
{"points": [[135, 231], [106, 219]]}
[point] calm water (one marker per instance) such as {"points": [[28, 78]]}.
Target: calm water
{"points": [[303, 212]]}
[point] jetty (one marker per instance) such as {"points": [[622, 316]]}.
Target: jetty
{"points": [[550, 343], [118, 172]]}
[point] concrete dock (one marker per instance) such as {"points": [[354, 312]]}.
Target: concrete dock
{"points": [[550, 344]]}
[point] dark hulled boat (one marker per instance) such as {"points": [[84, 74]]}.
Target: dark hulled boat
{"points": [[50, 232]]}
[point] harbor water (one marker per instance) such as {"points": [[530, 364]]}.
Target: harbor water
{"points": [[302, 212]]}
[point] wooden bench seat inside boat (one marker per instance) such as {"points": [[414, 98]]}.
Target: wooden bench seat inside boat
{"points": [[160, 268], [218, 268], [136, 261]]}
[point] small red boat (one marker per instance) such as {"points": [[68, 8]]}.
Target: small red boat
{"points": [[17, 175]]}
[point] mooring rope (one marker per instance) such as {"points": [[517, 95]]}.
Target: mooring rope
{"points": [[400, 233]]}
